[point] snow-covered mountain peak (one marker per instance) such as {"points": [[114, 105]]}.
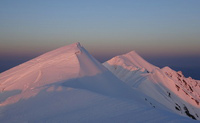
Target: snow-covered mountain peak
{"points": [[131, 61], [59, 62], [133, 54], [68, 84], [168, 87], [166, 68], [68, 62], [68, 66], [76, 45]]}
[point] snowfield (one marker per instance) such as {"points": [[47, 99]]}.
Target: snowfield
{"points": [[69, 85], [170, 88]]}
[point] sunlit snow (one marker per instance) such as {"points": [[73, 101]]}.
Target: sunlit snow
{"points": [[69, 85]]}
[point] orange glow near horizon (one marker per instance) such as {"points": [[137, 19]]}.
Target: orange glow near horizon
{"points": [[106, 50]]}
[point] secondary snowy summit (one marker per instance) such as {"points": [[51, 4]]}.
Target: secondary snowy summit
{"points": [[168, 87]]}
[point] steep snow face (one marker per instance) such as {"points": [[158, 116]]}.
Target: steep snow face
{"points": [[51, 67], [169, 88], [72, 63], [185, 86], [69, 85]]}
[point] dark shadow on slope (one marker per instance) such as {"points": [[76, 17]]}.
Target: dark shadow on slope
{"points": [[169, 95]]}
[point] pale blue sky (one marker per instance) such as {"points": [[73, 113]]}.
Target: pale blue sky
{"points": [[165, 32], [150, 27]]}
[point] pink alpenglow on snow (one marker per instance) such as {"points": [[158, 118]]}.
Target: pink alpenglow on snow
{"points": [[168, 87], [70, 85]]}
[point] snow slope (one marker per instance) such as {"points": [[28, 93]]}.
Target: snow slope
{"points": [[55, 67], [170, 88], [69, 85]]}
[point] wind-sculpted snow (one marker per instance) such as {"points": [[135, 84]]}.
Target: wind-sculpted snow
{"points": [[171, 89], [58, 66], [33, 75], [69, 85]]}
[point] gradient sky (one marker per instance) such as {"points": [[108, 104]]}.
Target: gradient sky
{"points": [[104, 27]]}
